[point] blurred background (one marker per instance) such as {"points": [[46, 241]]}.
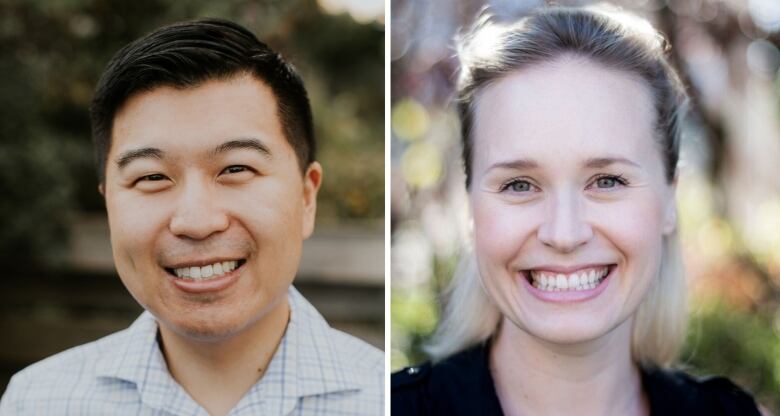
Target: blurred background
{"points": [[729, 189], [59, 285]]}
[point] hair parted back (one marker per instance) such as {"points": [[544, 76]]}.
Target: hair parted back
{"points": [[616, 40], [187, 54]]}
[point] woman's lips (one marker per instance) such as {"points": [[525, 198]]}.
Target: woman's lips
{"points": [[577, 286], [582, 278]]}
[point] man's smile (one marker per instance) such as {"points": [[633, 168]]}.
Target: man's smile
{"points": [[206, 277], [208, 269]]}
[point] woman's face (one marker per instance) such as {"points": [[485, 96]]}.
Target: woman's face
{"points": [[569, 198]]}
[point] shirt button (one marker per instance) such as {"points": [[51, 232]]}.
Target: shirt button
{"points": [[412, 370]]}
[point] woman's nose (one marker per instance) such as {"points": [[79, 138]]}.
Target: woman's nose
{"points": [[198, 213], [565, 228]]}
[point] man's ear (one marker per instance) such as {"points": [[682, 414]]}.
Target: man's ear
{"points": [[102, 189], [312, 180]]}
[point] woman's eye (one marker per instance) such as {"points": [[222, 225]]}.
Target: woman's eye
{"points": [[607, 182], [517, 186]]}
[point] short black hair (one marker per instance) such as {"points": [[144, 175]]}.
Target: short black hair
{"points": [[187, 54]]}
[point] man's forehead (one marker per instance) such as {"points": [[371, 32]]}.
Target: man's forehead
{"points": [[204, 102], [205, 117]]}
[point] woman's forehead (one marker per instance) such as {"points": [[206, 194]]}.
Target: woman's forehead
{"points": [[570, 104]]}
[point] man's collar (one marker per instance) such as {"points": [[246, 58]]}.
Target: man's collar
{"points": [[308, 361], [135, 356], [132, 351], [323, 367]]}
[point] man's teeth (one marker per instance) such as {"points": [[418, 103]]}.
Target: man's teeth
{"points": [[206, 272], [581, 280]]}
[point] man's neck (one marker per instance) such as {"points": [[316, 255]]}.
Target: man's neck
{"points": [[217, 374], [534, 377]]}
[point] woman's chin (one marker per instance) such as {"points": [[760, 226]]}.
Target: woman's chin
{"points": [[578, 318], [567, 330]]}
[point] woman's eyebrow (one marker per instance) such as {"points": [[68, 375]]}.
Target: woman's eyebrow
{"points": [[602, 162], [594, 162], [515, 164], [243, 143], [131, 155]]}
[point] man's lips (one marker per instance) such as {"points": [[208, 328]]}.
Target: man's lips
{"points": [[204, 269], [199, 262], [210, 278]]}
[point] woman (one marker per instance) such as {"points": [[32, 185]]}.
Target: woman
{"points": [[573, 301]]}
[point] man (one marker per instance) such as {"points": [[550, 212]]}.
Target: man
{"points": [[206, 161]]}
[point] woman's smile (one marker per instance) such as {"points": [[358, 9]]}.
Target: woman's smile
{"points": [[556, 284]]}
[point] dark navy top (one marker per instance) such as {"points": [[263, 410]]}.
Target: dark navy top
{"points": [[462, 385]]}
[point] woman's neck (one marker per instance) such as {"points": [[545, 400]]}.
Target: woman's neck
{"points": [[535, 377]]}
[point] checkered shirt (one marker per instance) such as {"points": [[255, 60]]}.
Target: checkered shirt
{"points": [[316, 370]]}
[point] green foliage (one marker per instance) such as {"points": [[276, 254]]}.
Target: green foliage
{"points": [[413, 318], [52, 54], [743, 346]]}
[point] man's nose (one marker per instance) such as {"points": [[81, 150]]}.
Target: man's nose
{"points": [[198, 212], [565, 228]]}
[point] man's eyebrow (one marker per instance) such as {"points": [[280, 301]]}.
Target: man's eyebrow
{"points": [[244, 143], [145, 152], [602, 162]]}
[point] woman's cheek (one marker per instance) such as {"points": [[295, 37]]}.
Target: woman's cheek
{"points": [[630, 223], [500, 230]]}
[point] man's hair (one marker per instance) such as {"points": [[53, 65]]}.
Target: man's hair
{"points": [[187, 54]]}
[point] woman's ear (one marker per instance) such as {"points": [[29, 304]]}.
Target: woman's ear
{"points": [[670, 210]]}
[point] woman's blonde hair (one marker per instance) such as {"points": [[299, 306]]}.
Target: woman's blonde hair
{"points": [[491, 50]]}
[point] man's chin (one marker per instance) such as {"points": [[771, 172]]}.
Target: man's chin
{"points": [[218, 322], [207, 330], [204, 332], [207, 334]]}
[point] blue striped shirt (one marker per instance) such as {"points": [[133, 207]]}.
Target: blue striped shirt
{"points": [[316, 370]]}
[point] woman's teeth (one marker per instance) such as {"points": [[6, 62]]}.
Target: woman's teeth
{"points": [[581, 280], [206, 272]]}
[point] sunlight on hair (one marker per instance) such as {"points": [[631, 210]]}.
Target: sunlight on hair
{"points": [[480, 45], [631, 23]]}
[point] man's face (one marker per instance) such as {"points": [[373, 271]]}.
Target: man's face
{"points": [[207, 205]]}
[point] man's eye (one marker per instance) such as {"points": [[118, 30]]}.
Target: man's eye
{"points": [[517, 185], [235, 169], [152, 177], [152, 182]]}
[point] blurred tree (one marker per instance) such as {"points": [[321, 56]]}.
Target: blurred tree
{"points": [[52, 54]]}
